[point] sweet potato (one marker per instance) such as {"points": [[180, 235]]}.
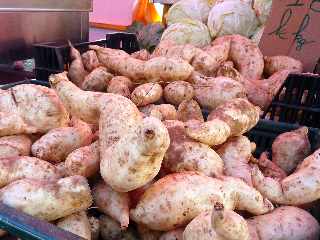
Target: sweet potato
{"points": [[13, 146], [176, 92], [146, 93], [90, 60], [15, 168], [238, 113], [141, 55], [189, 110], [136, 157], [62, 170], [77, 223], [136, 194], [185, 154], [290, 148], [84, 161], [212, 92], [284, 223], [178, 198], [76, 73], [161, 111], [120, 85], [246, 56], [29, 108], [153, 70], [110, 230], [48, 200], [97, 80], [236, 153], [300, 187], [58, 143], [147, 234], [269, 168], [278, 63], [212, 133], [175, 234], [112, 203], [95, 228]]}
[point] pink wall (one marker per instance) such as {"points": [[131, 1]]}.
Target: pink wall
{"points": [[115, 12]]}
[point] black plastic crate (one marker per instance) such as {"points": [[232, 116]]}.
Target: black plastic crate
{"points": [[265, 132], [298, 101], [125, 41], [56, 55]]}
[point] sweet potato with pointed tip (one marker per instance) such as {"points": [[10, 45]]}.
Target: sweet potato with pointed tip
{"points": [[290, 148], [77, 223], [136, 157], [13, 146], [299, 188], [236, 153], [185, 154], [112, 203], [15, 168], [90, 60], [278, 63], [58, 143], [176, 199], [269, 168], [84, 161], [176, 92], [48, 200], [97, 80], [28, 108], [146, 94], [76, 72], [189, 110]]}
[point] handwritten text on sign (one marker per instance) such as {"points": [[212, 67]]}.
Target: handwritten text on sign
{"points": [[294, 29]]}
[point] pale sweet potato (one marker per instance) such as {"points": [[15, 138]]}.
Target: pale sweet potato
{"points": [[13, 146], [185, 154], [136, 157], [161, 111], [189, 110], [146, 94], [29, 108], [90, 60], [48, 200], [176, 92], [77, 223], [58, 143], [15, 168], [112, 203], [84, 161], [176, 199], [141, 55], [120, 85], [278, 63], [97, 80]]}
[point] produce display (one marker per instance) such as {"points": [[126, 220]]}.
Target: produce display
{"points": [[119, 147]]}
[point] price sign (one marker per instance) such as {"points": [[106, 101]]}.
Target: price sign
{"points": [[293, 29]]}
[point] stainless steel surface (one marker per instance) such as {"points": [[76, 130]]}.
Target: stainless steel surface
{"points": [[19, 30], [46, 5]]}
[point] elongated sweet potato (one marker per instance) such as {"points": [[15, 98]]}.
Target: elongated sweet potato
{"points": [[97, 80], [48, 200], [300, 187], [15, 168], [84, 161], [76, 73], [29, 108], [178, 198], [77, 223], [112, 203], [90, 60], [136, 157], [278, 63], [13, 146], [58, 143], [185, 154], [146, 94]]}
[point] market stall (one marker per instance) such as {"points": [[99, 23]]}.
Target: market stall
{"points": [[191, 131]]}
